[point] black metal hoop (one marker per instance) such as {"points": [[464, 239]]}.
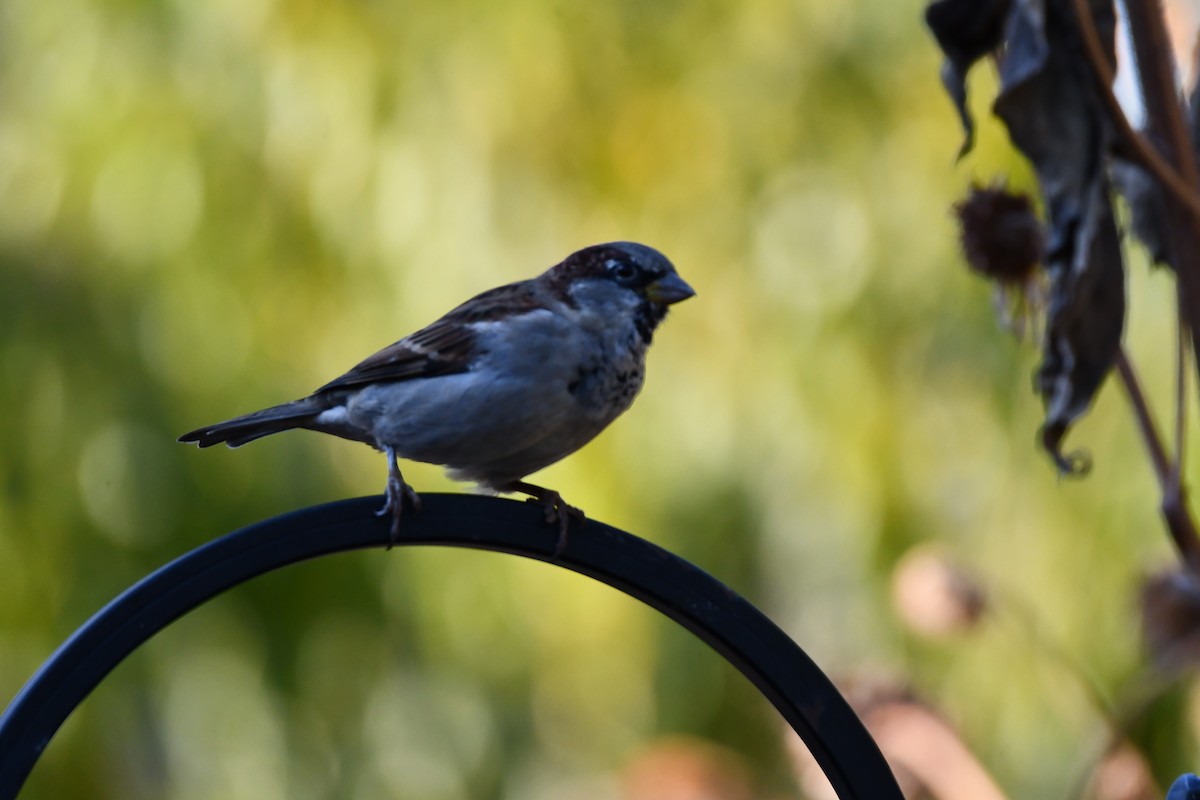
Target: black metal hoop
{"points": [[673, 586]]}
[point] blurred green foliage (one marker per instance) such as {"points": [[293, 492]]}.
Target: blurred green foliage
{"points": [[208, 207]]}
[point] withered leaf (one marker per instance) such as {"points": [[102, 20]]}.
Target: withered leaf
{"points": [[1048, 102], [966, 30], [1144, 195], [1147, 207], [1083, 326]]}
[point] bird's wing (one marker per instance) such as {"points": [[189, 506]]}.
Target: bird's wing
{"points": [[445, 346]]}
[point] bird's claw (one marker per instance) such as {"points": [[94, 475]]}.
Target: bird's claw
{"points": [[398, 493], [560, 513]]}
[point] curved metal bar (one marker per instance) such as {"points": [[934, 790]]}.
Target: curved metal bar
{"points": [[673, 586]]}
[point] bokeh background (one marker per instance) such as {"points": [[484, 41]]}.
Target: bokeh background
{"points": [[208, 207]]}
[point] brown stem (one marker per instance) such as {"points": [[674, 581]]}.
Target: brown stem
{"points": [[1136, 144], [1165, 120], [1174, 505], [1156, 69], [1164, 116], [1181, 357], [1145, 420]]}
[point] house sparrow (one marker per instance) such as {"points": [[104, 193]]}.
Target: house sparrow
{"points": [[507, 383]]}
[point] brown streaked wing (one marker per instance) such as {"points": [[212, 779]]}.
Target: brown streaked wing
{"points": [[442, 347]]}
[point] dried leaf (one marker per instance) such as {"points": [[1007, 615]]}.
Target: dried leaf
{"points": [[1143, 193], [966, 30], [1147, 207], [1048, 102], [1084, 322]]}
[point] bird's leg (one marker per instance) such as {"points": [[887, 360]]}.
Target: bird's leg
{"points": [[397, 493], [557, 511]]}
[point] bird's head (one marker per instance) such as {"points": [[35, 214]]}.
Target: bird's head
{"points": [[630, 274]]}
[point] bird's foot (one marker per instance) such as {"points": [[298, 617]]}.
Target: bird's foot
{"points": [[558, 512], [398, 493]]}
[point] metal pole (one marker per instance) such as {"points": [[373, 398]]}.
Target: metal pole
{"points": [[694, 599]]}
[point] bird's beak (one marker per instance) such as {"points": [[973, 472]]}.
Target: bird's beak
{"points": [[669, 289]]}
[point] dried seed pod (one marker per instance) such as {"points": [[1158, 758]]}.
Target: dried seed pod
{"points": [[935, 597], [1170, 606], [1002, 238]]}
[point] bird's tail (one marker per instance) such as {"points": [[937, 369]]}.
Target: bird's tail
{"points": [[239, 430]]}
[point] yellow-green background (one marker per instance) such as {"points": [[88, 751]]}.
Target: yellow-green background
{"points": [[207, 207]]}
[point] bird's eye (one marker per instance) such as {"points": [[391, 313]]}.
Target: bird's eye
{"points": [[621, 270]]}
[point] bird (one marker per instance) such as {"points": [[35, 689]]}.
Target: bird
{"points": [[503, 385]]}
